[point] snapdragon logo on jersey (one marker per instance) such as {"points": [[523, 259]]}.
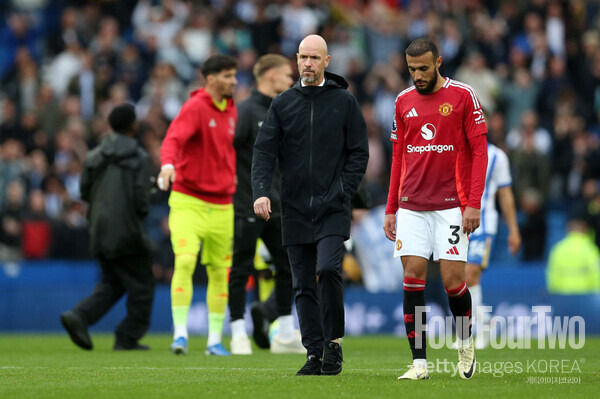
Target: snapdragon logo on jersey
{"points": [[428, 132], [508, 331]]}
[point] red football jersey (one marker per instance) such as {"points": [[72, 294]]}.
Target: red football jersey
{"points": [[432, 154]]}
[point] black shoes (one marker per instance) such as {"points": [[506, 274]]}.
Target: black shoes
{"points": [[130, 347], [332, 359], [126, 343], [77, 329], [311, 367], [261, 326]]}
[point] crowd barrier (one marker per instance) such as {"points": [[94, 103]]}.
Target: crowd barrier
{"points": [[33, 294]]}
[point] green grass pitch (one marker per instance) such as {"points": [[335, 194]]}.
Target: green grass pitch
{"points": [[50, 366]]}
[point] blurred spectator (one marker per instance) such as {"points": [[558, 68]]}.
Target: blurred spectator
{"points": [[11, 221], [9, 122], [130, 72], [383, 33], [37, 170], [574, 263], [590, 201], [553, 84], [529, 133], [163, 89], [533, 228], [18, 32], [297, 22], [23, 86], [496, 124], [37, 229], [375, 175], [176, 55], [475, 72], [55, 196], [197, 37], [451, 47], [265, 29], [64, 67], [159, 22], [530, 168], [519, 94], [12, 165]]}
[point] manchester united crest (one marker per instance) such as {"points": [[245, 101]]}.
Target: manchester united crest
{"points": [[445, 109], [398, 245]]}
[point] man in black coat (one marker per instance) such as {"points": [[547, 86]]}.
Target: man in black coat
{"points": [[116, 184], [273, 75], [317, 132]]}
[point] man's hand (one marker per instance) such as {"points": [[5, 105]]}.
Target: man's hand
{"points": [[389, 227], [514, 241], [262, 207], [165, 178], [471, 220]]}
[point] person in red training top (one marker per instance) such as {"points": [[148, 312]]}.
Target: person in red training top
{"points": [[198, 160], [436, 183]]}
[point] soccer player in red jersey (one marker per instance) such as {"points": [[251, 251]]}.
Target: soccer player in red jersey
{"points": [[437, 179]]}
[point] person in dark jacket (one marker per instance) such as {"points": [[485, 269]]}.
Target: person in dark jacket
{"points": [[273, 75], [116, 184], [317, 132]]}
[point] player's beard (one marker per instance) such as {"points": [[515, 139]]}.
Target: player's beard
{"points": [[309, 80], [225, 90], [430, 86]]}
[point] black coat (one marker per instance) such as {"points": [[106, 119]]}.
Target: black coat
{"points": [[251, 114], [319, 136], [116, 184]]}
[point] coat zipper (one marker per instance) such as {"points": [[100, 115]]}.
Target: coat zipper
{"points": [[310, 159]]}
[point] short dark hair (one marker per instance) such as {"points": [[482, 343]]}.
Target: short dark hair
{"points": [[122, 118], [267, 62], [217, 63], [421, 46]]}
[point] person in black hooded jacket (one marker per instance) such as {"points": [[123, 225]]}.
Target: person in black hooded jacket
{"points": [[116, 184], [317, 132]]}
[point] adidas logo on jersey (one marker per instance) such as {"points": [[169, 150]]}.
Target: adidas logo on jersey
{"points": [[412, 113], [453, 251], [212, 123]]}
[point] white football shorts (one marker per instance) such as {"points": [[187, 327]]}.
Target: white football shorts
{"points": [[422, 233]]}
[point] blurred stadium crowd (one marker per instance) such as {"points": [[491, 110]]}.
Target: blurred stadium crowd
{"points": [[65, 64]]}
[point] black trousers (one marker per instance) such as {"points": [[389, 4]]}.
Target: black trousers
{"points": [[247, 231], [128, 274], [317, 280]]}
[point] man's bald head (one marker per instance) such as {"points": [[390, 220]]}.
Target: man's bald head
{"points": [[315, 43], [312, 59]]}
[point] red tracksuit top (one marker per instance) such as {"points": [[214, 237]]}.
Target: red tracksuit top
{"points": [[199, 143]]}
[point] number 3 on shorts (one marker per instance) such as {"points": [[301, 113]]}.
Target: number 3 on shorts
{"points": [[454, 233]]}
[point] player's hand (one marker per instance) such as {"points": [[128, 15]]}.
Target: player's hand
{"points": [[514, 241], [262, 207], [471, 220], [165, 178], [389, 227]]}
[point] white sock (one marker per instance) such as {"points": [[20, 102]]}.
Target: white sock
{"points": [[476, 302], [238, 328], [421, 363], [213, 338], [180, 331], [286, 327]]}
